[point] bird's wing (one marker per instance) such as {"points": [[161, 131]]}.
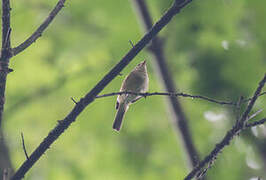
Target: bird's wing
{"points": [[132, 83]]}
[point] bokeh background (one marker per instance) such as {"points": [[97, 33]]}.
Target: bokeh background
{"points": [[213, 48]]}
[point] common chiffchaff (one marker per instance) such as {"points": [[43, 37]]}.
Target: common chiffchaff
{"points": [[137, 81]]}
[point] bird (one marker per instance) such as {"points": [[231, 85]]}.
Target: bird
{"points": [[137, 81]]}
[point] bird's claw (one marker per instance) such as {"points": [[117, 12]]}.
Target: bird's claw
{"points": [[145, 95]]}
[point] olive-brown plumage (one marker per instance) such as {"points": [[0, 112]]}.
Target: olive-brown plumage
{"points": [[137, 81]]}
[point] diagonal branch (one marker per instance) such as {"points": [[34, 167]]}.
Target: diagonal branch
{"points": [[40, 30], [249, 99], [236, 129], [90, 96], [256, 123]]}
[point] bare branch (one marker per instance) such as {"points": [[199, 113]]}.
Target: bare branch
{"points": [[131, 43], [253, 100], [5, 53], [24, 147], [253, 124], [237, 128], [40, 30], [249, 99], [254, 114], [90, 96], [256, 123], [73, 100], [176, 95]]}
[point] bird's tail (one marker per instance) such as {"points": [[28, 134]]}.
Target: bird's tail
{"points": [[119, 116]]}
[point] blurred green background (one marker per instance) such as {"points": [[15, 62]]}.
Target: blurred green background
{"points": [[214, 48]]}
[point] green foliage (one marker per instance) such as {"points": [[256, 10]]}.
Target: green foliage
{"points": [[214, 48]]}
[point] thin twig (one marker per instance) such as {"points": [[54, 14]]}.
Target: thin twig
{"points": [[40, 29], [90, 96], [24, 147], [177, 95], [261, 94], [253, 100], [237, 128], [256, 123], [131, 43], [73, 100], [254, 114]]}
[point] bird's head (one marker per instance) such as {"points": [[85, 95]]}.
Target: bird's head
{"points": [[141, 66]]}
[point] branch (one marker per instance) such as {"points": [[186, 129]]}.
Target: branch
{"points": [[40, 30], [254, 115], [256, 123], [5, 53], [249, 99], [90, 96], [236, 129], [176, 95]]}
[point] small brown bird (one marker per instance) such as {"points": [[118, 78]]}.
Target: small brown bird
{"points": [[137, 81]]}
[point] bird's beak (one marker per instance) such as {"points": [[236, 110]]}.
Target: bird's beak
{"points": [[144, 62]]}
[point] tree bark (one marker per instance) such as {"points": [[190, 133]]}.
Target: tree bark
{"points": [[5, 161]]}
